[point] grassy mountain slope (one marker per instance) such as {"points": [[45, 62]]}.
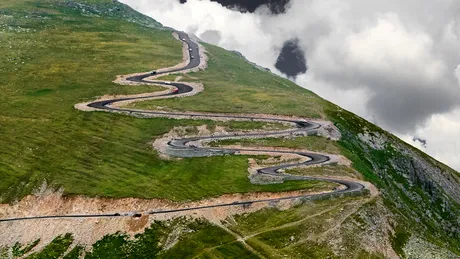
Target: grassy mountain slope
{"points": [[57, 53]]}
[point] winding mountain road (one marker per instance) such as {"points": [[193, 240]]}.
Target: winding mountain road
{"points": [[185, 146]]}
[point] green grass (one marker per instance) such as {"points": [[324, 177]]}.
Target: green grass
{"points": [[55, 249], [12, 3], [252, 125], [234, 86], [327, 170], [18, 250], [199, 239], [75, 253], [311, 143], [188, 77], [138, 89], [171, 77], [111, 246], [399, 240], [268, 219], [199, 242]]}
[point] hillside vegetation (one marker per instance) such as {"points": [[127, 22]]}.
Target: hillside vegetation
{"points": [[57, 53]]}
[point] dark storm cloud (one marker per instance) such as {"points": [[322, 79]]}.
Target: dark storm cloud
{"points": [[291, 60], [275, 6], [403, 108]]}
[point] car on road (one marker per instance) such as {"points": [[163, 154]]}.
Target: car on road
{"points": [[191, 57], [153, 72], [175, 91], [190, 49]]}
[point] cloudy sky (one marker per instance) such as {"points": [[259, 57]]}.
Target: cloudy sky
{"points": [[395, 63]]}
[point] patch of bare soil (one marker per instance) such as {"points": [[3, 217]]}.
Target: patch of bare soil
{"points": [[137, 224]]}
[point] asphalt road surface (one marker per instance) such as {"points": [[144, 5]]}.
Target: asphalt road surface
{"points": [[183, 144]]}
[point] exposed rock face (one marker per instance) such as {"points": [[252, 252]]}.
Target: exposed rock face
{"points": [[421, 171], [417, 248], [329, 131], [432, 188], [374, 140], [441, 187]]}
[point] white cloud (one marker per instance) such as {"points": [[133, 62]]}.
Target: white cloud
{"points": [[388, 47], [351, 99]]}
